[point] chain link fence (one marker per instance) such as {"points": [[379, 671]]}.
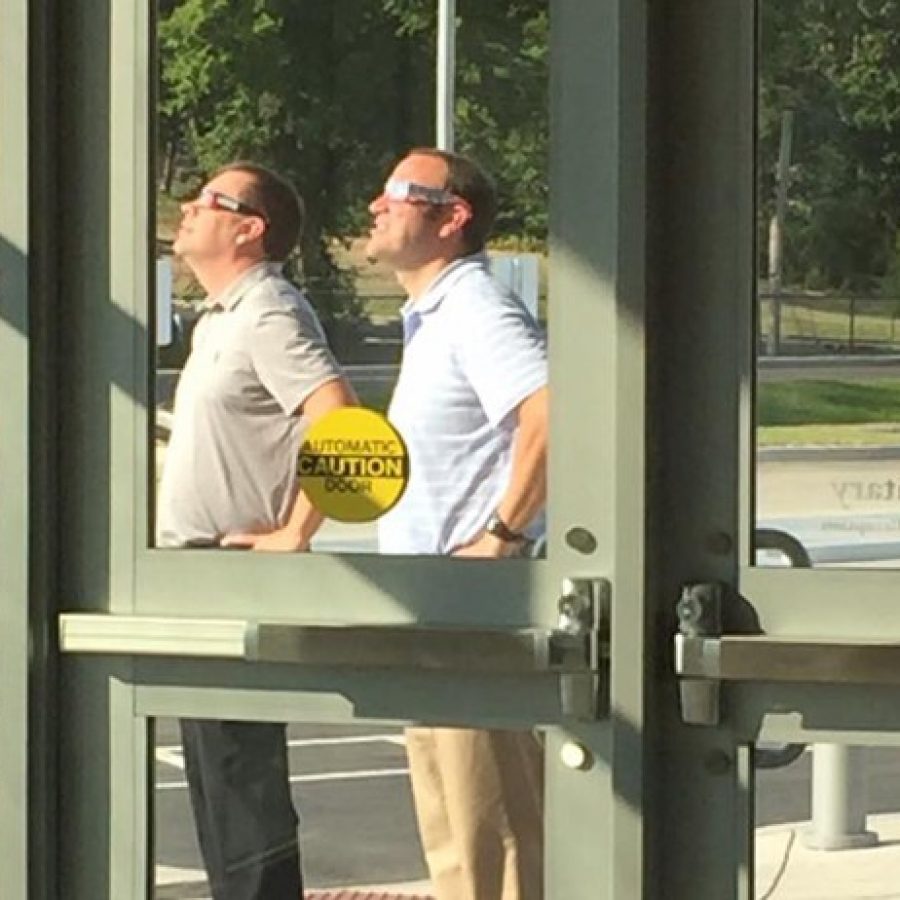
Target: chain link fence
{"points": [[792, 324]]}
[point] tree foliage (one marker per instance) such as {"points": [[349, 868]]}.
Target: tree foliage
{"points": [[332, 92], [836, 64]]}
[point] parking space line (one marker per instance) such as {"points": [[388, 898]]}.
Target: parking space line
{"points": [[310, 779]]}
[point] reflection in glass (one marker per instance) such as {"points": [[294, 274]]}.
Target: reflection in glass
{"points": [[329, 95], [828, 390], [828, 823]]}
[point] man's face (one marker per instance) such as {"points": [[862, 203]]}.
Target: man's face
{"points": [[217, 225], [407, 233]]}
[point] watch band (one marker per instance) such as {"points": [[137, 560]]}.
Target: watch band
{"points": [[497, 527]]}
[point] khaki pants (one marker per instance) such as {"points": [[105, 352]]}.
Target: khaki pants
{"points": [[479, 803]]}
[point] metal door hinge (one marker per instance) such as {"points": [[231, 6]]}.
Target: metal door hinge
{"points": [[584, 625]]}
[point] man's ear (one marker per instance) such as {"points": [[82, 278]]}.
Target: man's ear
{"points": [[456, 221], [251, 229]]}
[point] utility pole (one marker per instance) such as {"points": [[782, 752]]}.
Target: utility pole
{"points": [[446, 73], [776, 229]]}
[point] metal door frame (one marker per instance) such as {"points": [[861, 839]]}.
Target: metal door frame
{"points": [[80, 270], [28, 281], [15, 245], [700, 523]]}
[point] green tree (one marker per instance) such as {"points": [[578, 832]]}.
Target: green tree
{"points": [[323, 92], [836, 63], [331, 92], [502, 106]]}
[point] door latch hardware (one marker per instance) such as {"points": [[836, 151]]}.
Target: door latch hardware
{"points": [[699, 613], [584, 622]]}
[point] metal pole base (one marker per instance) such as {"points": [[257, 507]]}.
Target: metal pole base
{"points": [[839, 804], [813, 840]]}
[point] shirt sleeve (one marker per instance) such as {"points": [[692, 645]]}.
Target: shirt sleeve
{"points": [[290, 354], [502, 352]]}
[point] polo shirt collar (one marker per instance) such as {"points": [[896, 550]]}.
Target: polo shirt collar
{"points": [[446, 279], [231, 296]]}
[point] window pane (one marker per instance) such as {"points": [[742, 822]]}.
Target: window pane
{"points": [[828, 389], [350, 788], [827, 821], [331, 96]]}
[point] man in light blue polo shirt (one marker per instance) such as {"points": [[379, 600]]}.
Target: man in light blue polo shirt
{"points": [[471, 404]]}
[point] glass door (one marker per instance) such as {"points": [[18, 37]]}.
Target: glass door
{"points": [[341, 648], [775, 343]]}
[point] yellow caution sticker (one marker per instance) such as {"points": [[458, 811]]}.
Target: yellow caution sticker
{"points": [[353, 465]]}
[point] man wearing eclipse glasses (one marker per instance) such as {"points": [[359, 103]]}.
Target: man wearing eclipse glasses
{"points": [[471, 404], [259, 370]]}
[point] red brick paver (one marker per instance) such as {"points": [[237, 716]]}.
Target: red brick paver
{"points": [[361, 895]]}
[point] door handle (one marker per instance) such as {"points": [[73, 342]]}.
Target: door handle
{"points": [[750, 657], [577, 651], [705, 657], [523, 651]]}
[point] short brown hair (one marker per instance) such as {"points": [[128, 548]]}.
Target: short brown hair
{"points": [[468, 180], [277, 199]]}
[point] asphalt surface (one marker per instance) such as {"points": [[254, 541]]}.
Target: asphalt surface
{"points": [[351, 789], [357, 822]]}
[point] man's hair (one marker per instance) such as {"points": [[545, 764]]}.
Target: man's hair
{"points": [[277, 199], [468, 180]]}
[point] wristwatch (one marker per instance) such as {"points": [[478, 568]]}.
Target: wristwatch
{"points": [[499, 529]]}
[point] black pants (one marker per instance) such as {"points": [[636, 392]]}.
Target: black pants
{"points": [[237, 773]]}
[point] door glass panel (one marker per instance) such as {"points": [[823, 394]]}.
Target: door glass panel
{"points": [[330, 96], [828, 823], [349, 786], [828, 280]]}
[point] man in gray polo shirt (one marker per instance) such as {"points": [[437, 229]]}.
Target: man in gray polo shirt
{"points": [[471, 404], [259, 371]]}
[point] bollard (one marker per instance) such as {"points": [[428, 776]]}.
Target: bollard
{"points": [[839, 803]]}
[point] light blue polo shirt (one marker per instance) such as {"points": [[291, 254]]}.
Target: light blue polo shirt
{"points": [[472, 353]]}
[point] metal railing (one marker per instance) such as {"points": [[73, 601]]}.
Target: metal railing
{"points": [[798, 323]]}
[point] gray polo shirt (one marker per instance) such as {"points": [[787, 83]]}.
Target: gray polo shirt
{"points": [[258, 352]]}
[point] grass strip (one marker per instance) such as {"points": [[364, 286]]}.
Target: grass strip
{"points": [[828, 402]]}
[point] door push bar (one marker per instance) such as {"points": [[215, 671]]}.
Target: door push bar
{"points": [[577, 650], [705, 657]]}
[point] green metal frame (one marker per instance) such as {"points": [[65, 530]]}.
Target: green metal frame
{"points": [[652, 198], [15, 246], [106, 563], [699, 783], [115, 570], [701, 519]]}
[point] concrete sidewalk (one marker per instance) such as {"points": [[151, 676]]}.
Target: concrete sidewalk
{"points": [[787, 870]]}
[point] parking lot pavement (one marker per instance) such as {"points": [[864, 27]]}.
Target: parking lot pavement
{"points": [[359, 837], [351, 788]]}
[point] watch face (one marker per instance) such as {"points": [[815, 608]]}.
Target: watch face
{"points": [[497, 527]]}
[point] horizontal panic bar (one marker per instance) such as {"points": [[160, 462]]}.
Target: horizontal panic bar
{"points": [[770, 659], [523, 651]]}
